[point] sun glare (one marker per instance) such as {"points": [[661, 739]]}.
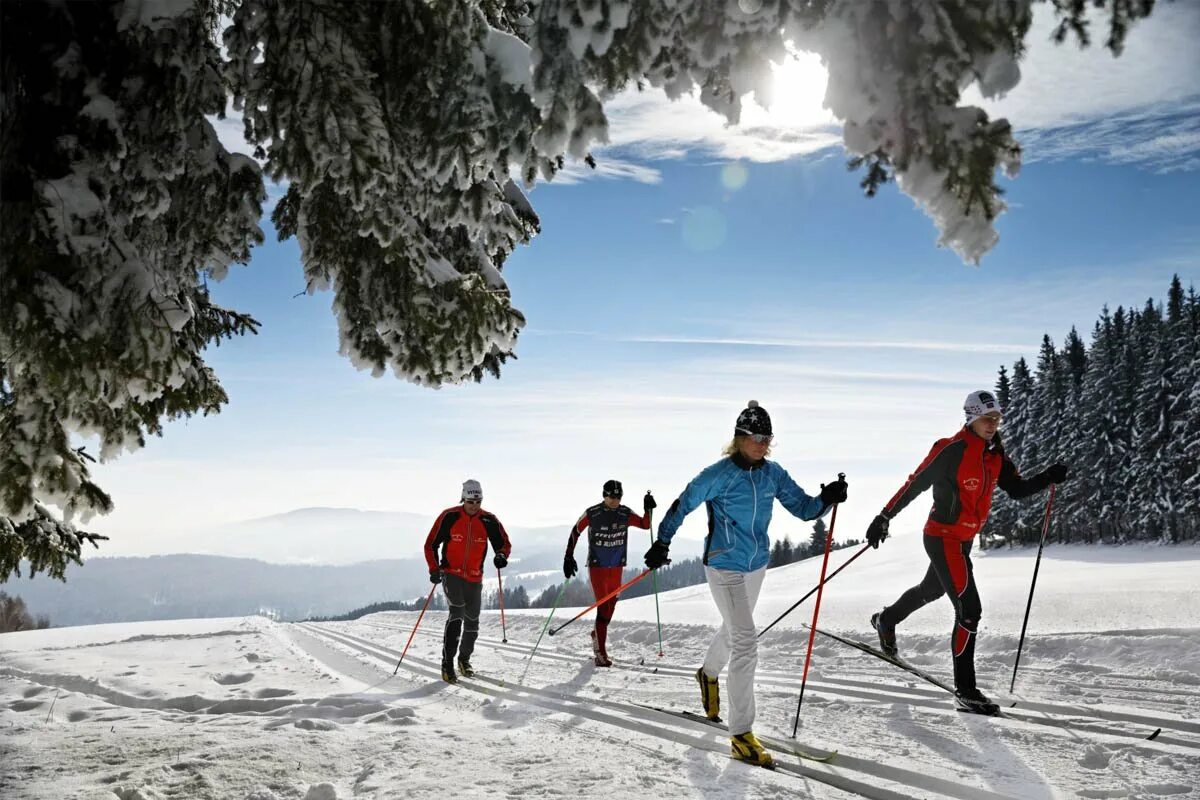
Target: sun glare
{"points": [[799, 90]]}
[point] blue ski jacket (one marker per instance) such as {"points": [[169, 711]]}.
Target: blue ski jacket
{"points": [[739, 498]]}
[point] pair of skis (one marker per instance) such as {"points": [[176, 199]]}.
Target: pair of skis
{"points": [[778, 745], [914, 670]]}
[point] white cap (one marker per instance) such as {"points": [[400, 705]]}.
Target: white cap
{"points": [[981, 404], [472, 490]]}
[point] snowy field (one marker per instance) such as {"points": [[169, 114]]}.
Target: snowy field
{"points": [[247, 709]]}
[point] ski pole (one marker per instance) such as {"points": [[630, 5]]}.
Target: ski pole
{"points": [[812, 632], [654, 581], [604, 599], [814, 589], [432, 589], [545, 625], [503, 627], [1028, 605]]}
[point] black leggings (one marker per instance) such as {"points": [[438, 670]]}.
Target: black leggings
{"points": [[950, 573], [464, 598]]}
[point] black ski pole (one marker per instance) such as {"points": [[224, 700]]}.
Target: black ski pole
{"points": [[813, 590], [1028, 605]]}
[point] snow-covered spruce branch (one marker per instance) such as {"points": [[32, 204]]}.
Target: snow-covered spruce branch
{"points": [[397, 128]]}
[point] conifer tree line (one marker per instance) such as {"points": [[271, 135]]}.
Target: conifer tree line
{"points": [[1124, 412], [15, 616]]}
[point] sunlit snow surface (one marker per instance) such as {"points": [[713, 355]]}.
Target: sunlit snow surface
{"points": [[251, 710]]}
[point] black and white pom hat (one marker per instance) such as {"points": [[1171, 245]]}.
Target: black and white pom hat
{"points": [[981, 404], [472, 490], [753, 421]]}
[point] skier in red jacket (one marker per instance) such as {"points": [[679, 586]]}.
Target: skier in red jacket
{"points": [[608, 525], [963, 471], [462, 534]]}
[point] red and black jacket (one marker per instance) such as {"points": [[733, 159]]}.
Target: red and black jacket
{"points": [[462, 540], [963, 470], [608, 532]]}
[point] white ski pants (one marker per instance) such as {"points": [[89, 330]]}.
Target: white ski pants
{"points": [[736, 644]]}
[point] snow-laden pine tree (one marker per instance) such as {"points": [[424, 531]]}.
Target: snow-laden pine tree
{"points": [[1129, 433], [119, 203], [1100, 449], [397, 129], [1006, 518]]}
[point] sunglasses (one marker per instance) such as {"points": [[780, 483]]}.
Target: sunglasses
{"points": [[617, 495], [757, 438], [473, 500]]}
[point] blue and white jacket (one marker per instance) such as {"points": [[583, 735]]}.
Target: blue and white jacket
{"points": [[739, 498]]}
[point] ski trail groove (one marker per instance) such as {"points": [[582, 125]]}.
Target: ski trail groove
{"points": [[636, 718], [1084, 719]]}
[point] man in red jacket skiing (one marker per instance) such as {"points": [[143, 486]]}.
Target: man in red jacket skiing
{"points": [[454, 550], [607, 524], [963, 472]]}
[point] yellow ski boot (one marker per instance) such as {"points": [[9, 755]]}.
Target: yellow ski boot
{"points": [[746, 747], [710, 695]]}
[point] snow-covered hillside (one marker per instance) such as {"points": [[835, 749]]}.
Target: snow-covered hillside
{"points": [[251, 710]]}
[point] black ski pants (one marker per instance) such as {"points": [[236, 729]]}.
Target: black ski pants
{"points": [[464, 598], [950, 573]]}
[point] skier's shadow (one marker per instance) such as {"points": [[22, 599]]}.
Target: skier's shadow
{"points": [[728, 781], [516, 712], [1002, 769]]}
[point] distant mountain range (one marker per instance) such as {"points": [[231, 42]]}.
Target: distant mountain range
{"points": [[326, 561], [331, 536]]}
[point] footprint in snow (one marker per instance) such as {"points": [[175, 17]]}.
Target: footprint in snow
{"points": [[316, 725], [1095, 757], [233, 678]]}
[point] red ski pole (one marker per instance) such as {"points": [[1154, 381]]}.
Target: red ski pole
{"points": [[503, 627], [604, 599], [812, 631], [414, 630]]}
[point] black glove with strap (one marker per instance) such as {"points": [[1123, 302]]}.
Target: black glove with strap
{"points": [[877, 531], [649, 503], [656, 556], [435, 576], [500, 560], [570, 568], [834, 492], [1056, 473]]}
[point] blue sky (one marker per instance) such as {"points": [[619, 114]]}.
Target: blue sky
{"points": [[681, 282]]}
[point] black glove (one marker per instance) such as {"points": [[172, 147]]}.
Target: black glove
{"points": [[500, 560], [834, 492], [656, 556], [648, 503], [1056, 473], [877, 531], [435, 576], [570, 568]]}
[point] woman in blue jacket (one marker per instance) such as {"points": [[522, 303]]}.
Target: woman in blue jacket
{"points": [[738, 492]]}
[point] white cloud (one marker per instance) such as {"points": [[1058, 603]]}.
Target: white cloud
{"points": [[856, 344], [615, 168], [1063, 84], [1140, 108], [648, 125], [1164, 138]]}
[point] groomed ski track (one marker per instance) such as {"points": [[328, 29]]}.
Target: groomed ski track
{"points": [[1069, 718], [1079, 725], [847, 773]]}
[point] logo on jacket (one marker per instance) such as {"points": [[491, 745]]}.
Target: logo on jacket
{"points": [[971, 484]]}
